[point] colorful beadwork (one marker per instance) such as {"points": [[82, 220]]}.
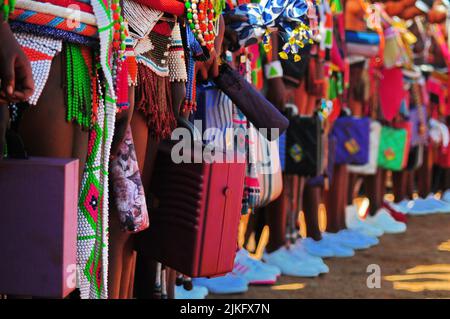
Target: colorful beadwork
{"points": [[141, 19], [40, 51], [54, 22], [79, 85], [7, 8], [93, 215], [177, 62], [41, 30], [200, 16]]}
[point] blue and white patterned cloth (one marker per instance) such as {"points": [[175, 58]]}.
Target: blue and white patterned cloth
{"points": [[283, 14]]}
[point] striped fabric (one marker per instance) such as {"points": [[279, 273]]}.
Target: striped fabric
{"points": [[219, 117]]}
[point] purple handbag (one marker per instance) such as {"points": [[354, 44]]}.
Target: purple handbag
{"points": [[352, 140], [258, 110], [416, 121]]}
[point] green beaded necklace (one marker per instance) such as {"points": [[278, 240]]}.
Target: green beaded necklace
{"points": [[7, 8]]}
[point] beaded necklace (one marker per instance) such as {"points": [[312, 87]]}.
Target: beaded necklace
{"points": [[200, 16], [7, 8], [193, 50]]}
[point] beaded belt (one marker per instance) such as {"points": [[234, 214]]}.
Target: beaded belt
{"points": [[48, 19]]}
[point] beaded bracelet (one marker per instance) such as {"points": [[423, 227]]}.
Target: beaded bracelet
{"points": [[7, 8]]}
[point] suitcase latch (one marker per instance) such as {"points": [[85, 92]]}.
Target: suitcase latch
{"points": [[226, 191]]}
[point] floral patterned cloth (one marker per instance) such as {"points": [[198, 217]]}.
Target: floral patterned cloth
{"points": [[127, 188]]}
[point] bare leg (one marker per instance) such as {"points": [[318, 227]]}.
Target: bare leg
{"points": [[120, 247], [425, 173], [400, 185], [336, 199], [410, 184], [311, 202], [374, 185], [276, 214]]}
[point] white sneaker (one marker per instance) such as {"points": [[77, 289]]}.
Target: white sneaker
{"points": [[386, 222], [352, 221]]}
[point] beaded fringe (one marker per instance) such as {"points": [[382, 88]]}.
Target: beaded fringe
{"points": [[80, 85], [153, 98]]}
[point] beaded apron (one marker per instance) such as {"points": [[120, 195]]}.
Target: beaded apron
{"points": [[40, 51], [45, 32]]}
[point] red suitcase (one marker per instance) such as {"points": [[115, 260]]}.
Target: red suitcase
{"points": [[195, 216]]}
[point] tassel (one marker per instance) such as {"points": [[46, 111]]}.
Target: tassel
{"points": [[154, 99], [79, 85], [122, 86]]}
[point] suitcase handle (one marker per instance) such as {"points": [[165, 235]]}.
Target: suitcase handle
{"points": [[9, 134]]}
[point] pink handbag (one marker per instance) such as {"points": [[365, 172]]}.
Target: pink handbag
{"points": [[38, 228]]}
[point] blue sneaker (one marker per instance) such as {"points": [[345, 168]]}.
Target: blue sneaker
{"points": [[338, 249], [355, 239], [299, 252], [291, 265], [403, 207], [371, 240], [317, 248], [446, 196], [260, 264], [441, 206], [354, 222], [347, 239], [383, 220], [197, 292], [227, 284], [252, 270], [420, 206]]}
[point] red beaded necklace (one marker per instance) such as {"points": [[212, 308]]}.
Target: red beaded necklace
{"points": [[200, 16]]}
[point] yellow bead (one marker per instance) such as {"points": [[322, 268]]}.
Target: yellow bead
{"points": [[283, 55], [297, 58]]}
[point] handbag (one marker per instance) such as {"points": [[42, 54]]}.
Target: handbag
{"points": [[407, 126], [258, 110], [196, 208], [391, 92], [269, 170], [215, 111], [324, 179], [374, 142], [393, 147], [127, 189], [362, 43], [304, 146], [352, 136], [394, 52], [282, 151], [38, 231]]}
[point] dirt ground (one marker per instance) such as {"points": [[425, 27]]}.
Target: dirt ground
{"points": [[412, 265]]}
